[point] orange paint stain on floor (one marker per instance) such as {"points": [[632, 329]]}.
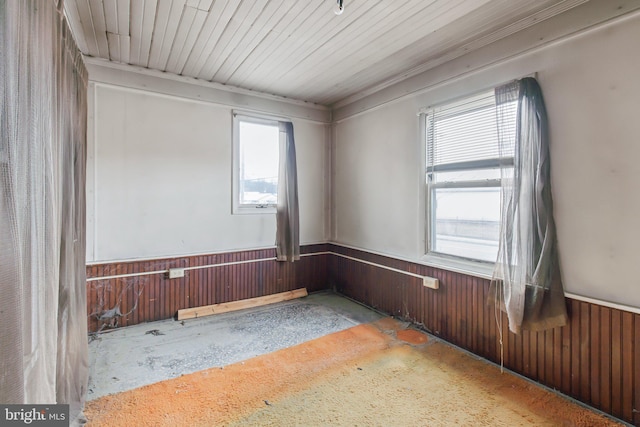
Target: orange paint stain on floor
{"points": [[359, 376], [217, 395], [412, 336]]}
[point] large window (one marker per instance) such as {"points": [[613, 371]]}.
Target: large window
{"points": [[256, 156], [463, 178]]}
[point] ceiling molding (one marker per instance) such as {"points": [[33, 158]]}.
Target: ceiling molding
{"points": [[104, 71], [503, 32], [588, 17], [297, 50]]}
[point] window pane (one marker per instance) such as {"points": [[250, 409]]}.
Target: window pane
{"points": [[259, 152], [466, 222]]}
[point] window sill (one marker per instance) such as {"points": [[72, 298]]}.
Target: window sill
{"points": [[253, 210], [458, 265]]}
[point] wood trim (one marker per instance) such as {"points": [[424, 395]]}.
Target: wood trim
{"points": [[595, 358], [146, 298], [209, 310]]}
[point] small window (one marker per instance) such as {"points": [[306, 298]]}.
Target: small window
{"points": [[463, 179], [256, 156]]}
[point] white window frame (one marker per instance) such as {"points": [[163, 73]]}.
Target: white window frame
{"points": [[461, 264], [249, 208]]}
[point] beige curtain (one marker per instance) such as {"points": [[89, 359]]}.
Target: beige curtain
{"points": [[287, 218], [526, 281], [43, 85]]}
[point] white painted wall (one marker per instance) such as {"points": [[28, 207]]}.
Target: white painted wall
{"points": [[592, 91], [160, 173]]}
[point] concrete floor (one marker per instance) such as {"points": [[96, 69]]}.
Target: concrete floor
{"points": [[134, 356]]}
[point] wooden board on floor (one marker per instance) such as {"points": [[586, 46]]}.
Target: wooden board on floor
{"points": [[208, 310]]}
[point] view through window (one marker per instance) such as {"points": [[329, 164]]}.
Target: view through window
{"points": [[257, 156], [463, 178]]}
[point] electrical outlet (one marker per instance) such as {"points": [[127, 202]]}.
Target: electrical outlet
{"points": [[175, 273], [431, 282]]}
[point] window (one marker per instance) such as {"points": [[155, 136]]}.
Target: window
{"points": [[256, 156], [463, 178]]}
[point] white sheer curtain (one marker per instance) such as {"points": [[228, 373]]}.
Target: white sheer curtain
{"points": [[287, 217], [526, 281], [43, 84]]}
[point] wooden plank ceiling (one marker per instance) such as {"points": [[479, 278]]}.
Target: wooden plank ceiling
{"points": [[297, 49]]}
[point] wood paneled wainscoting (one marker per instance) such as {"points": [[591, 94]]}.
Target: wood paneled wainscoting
{"points": [[595, 358], [127, 293]]}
